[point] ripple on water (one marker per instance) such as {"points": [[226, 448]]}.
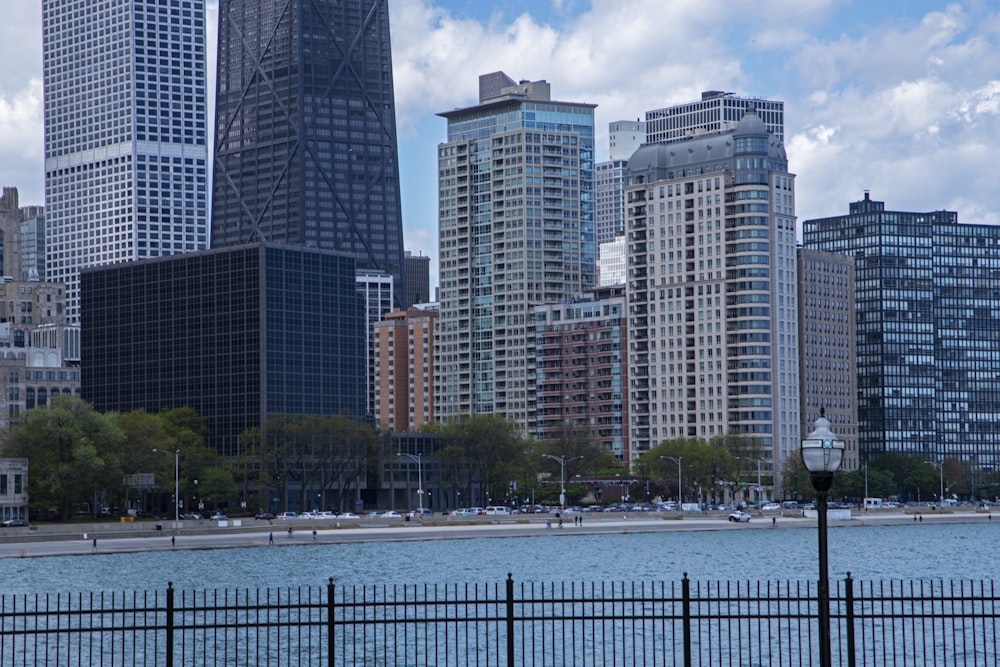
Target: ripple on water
{"points": [[927, 551]]}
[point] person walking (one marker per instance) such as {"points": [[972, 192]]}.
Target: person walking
{"points": [[314, 535], [173, 541], [270, 538], [94, 548]]}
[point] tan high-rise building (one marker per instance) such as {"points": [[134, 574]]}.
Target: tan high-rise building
{"points": [[404, 369]]}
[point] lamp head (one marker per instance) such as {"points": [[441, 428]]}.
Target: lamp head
{"points": [[822, 451]]}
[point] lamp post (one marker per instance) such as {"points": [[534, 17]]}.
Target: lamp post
{"points": [[177, 483], [562, 479], [420, 476], [760, 489], [677, 460], [822, 453], [940, 467]]}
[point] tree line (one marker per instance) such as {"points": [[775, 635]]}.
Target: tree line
{"points": [[82, 460]]}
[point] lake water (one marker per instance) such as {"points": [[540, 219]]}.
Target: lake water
{"points": [[924, 551]]}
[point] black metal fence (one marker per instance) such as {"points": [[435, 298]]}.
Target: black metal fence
{"points": [[509, 623]]}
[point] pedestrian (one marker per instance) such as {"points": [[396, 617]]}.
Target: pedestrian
{"points": [[173, 540], [289, 531], [560, 522], [774, 522], [270, 538], [94, 548], [314, 535]]}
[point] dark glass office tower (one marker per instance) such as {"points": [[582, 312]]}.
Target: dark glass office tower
{"points": [[305, 130]]}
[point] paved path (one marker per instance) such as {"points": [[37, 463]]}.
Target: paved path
{"points": [[130, 538]]}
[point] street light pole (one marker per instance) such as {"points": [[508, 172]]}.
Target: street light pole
{"points": [[677, 460], [177, 484], [420, 476], [940, 467], [562, 481], [760, 489], [822, 453]]}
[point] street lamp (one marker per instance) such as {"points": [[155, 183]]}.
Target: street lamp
{"points": [[822, 453], [677, 460], [562, 481], [420, 477], [940, 467], [177, 483], [760, 489]]}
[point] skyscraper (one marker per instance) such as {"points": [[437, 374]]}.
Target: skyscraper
{"points": [[516, 181], [126, 154], [928, 331], [713, 340], [305, 130], [716, 111]]}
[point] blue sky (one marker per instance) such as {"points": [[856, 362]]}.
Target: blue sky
{"points": [[900, 97]]}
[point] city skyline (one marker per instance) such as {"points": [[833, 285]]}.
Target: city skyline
{"points": [[877, 104]]}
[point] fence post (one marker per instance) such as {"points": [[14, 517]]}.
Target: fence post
{"points": [[329, 622], [170, 624], [686, 614], [849, 618], [510, 620]]}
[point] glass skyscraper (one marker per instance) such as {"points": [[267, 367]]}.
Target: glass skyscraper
{"points": [[305, 130], [126, 151], [928, 331]]}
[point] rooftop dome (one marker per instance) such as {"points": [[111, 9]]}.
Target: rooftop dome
{"points": [[751, 123]]}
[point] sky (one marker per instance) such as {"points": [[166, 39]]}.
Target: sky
{"points": [[898, 97]]}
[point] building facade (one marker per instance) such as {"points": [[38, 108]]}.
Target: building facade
{"points": [[516, 181], [404, 369], [126, 150], [612, 266], [13, 489], [713, 339], [828, 378], [236, 333], [928, 331], [418, 279], [39, 353], [582, 369], [376, 289], [716, 111], [305, 130], [624, 137]]}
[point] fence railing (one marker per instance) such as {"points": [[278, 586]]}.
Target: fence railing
{"points": [[510, 623]]}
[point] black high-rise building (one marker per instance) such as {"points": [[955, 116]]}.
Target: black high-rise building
{"points": [[305, 130], [236, 333]]}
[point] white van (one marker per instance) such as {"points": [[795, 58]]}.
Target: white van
{"points": [[690, 507], [497, 510]]}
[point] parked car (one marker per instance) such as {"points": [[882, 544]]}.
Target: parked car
{"points": [[287, 516], [324, 515], [265, 516], [191, 516], [14, 523], [390, 515], [739, 516], [218, 516], [497, 510], [348, 515], [420, 511], [770, 507]]}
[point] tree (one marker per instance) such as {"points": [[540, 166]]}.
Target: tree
{"points": [[74, 453], [485, 450]]}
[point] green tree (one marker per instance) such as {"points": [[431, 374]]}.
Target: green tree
{"points": [[74, 454], [484, 453]]}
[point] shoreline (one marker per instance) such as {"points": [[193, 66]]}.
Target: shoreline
{"points": [[93, 539]]}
